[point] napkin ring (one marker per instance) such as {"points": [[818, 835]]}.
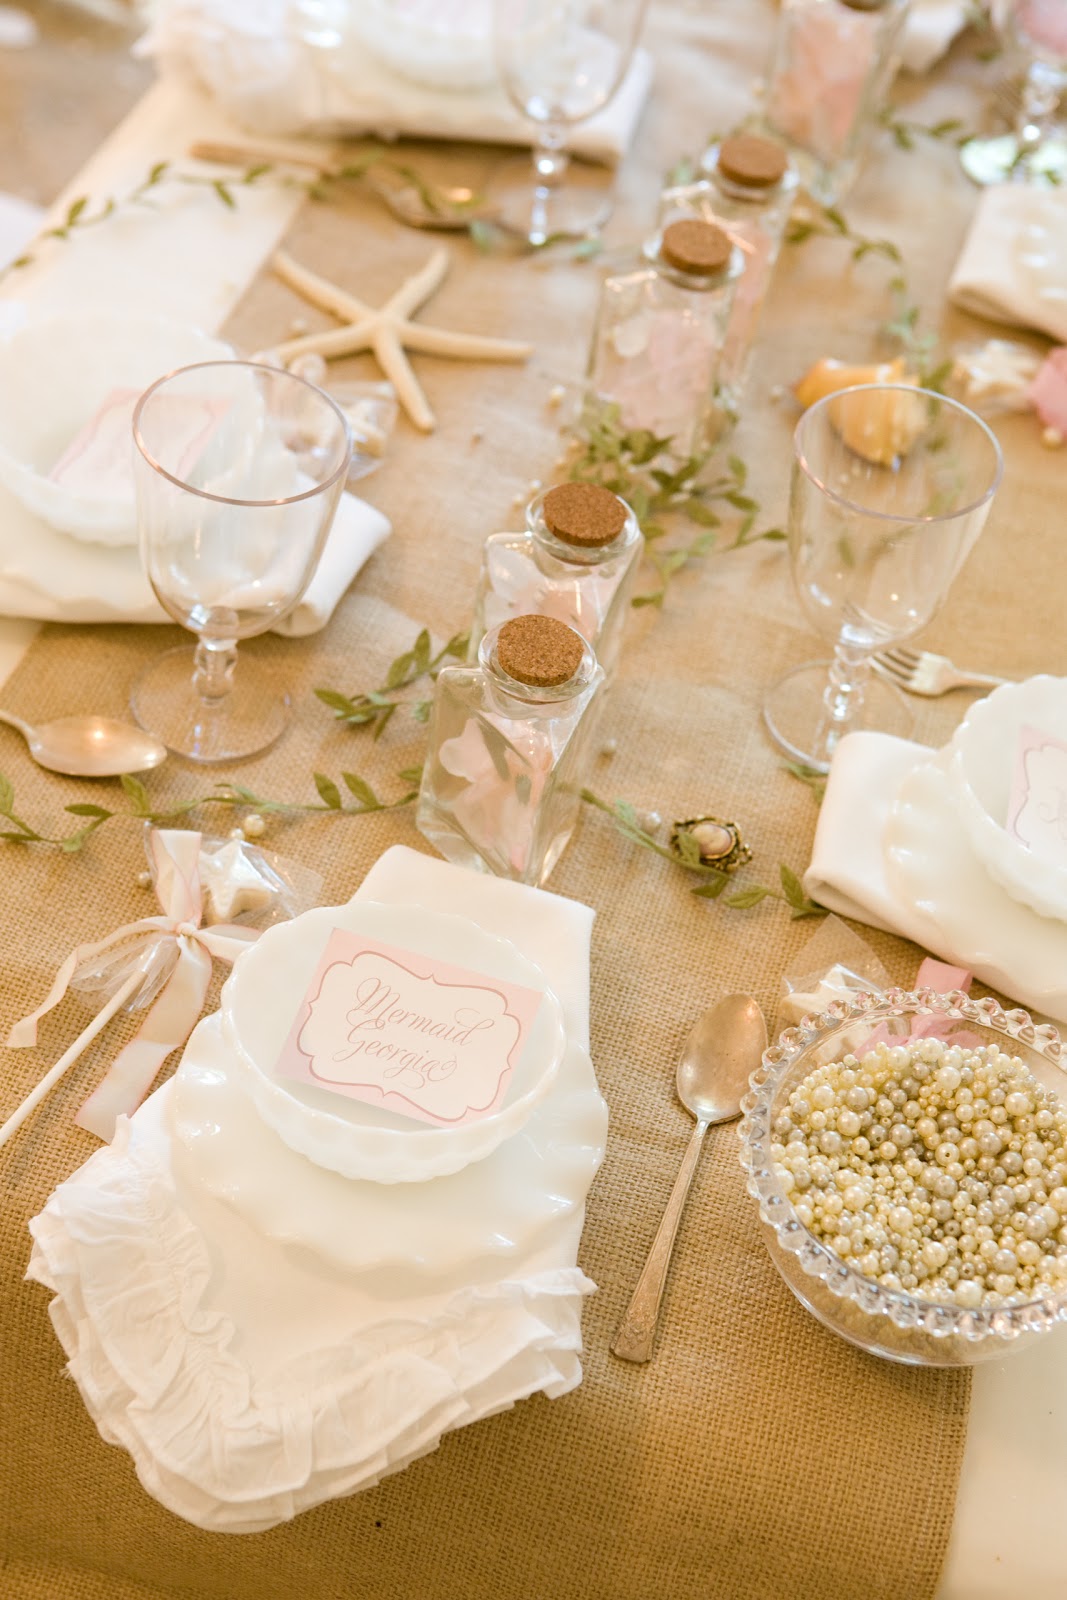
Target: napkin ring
{"points": [[719, 842]]}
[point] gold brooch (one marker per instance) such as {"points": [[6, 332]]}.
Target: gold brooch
{"points": [[718, 843]]}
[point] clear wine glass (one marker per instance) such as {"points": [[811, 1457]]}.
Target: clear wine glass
{"points": [[560, 62], [238, 470], [891, 488], [1036, 151]]}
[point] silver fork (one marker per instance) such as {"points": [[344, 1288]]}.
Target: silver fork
{"points": [[922, 672]]}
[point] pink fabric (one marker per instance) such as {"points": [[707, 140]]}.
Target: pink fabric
{"points": [[942, 978], [1048, 392]]}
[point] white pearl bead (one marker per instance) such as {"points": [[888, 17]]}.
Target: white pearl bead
{"points": [[254, 825], [145, 880]]}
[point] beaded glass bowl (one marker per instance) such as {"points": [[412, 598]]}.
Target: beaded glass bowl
{"points": [[899, 1325]]}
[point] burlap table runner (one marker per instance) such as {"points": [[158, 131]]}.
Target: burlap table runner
{"points": [[758, 1457]]}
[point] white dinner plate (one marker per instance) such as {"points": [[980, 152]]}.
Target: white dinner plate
{"points": [[492, 1210], [931, 865], [265, 992]]}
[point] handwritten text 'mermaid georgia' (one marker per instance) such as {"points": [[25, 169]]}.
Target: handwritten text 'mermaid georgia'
{"points": [[376, 1009]]}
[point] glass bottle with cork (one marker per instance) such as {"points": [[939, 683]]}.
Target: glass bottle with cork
{"points": [[832, 63], [659, 337], [575, 561], [748, 192], [509, 740]]}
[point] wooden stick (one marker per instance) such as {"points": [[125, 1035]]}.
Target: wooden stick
{"points": [[81, 1043]]}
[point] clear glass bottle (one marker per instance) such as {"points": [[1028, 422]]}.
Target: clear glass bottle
{"points": [[576, 561], [748, 192], [832, 64], [660, 333], [509, 740]]}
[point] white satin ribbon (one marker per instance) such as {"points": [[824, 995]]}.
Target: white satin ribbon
{"points": [[177, 939]]}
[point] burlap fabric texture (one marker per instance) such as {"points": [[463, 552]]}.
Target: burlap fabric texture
{"points": [[758, 1457]]}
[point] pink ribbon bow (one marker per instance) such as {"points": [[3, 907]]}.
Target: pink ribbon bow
{"points": [[173, 943]]}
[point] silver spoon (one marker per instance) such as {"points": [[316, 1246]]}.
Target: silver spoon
{"points": [[724, 1047], [89, 747], [440, 206]]}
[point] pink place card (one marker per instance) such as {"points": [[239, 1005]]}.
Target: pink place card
{"points": [[96, 462], [1037, 807], [407, 1032]]}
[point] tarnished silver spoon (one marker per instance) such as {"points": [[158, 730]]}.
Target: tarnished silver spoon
{"points": [[723, 1049], [89, 747]]}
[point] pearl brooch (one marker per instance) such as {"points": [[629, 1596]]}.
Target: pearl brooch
{"points": [[720, 843]]}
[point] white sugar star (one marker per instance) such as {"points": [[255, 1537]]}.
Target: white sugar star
{"points": [[387, 331], [233, 883]]}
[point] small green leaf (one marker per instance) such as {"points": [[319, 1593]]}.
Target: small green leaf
{"points": [[738, 470], [20, 838], [137, 793], [422, 652], [83, 809], [399, 670], [75, 209], [224, 194], [744, 899], [7, 796], [384, 716], [411, 776], [421, 709], [836, 220], [156, 173], [687, 848], [791, 886], [336, 702], [713, 888], [328, 791], [362, 791]]}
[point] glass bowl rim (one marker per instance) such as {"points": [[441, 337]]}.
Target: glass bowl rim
{"points": [[800, 460], [232, 500], [907, 1310]]}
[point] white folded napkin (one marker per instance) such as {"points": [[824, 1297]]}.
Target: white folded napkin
{"points": [[54, 578], [1007, 945], [1013, 265], [249, 1380], [266, 74]]}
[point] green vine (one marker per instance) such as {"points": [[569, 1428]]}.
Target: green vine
{"points": [[140, 808], [714, 882], [375, 707], [636, 464]]}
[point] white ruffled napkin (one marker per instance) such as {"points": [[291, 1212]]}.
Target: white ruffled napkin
{"points": [[49, 576], [255, 58], [1013, 265], [248, 1380], [850, 874]]}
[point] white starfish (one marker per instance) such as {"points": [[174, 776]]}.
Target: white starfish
{"points": [[387, 331]]}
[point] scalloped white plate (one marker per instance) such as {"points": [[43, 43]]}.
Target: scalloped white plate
{"points": [[263, 995], [54, 376], [930, 864], [980, 768], [490, 1211]]}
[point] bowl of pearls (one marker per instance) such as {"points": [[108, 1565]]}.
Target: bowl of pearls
{"points": [[908, 1154]]}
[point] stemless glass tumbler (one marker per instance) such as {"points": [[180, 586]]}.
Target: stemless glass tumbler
{"points": [[238, 469], [891, 487], [560, 62], [1036, 152]]}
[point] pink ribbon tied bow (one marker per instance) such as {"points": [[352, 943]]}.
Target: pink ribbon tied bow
{"points": [[174, 945]]}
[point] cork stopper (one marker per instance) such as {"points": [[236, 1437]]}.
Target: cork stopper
{"points": [[751, 161], [699, 248], [583, 514], [539, 651]]}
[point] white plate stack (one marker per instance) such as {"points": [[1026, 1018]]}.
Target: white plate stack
{"points": [[260, 1321]]}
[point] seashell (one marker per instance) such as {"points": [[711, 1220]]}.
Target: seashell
{"points": [[828, 375], [881, 425]]}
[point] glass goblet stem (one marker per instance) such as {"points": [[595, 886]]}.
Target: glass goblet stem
{"points": [[843, 696], [213, 669]]}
